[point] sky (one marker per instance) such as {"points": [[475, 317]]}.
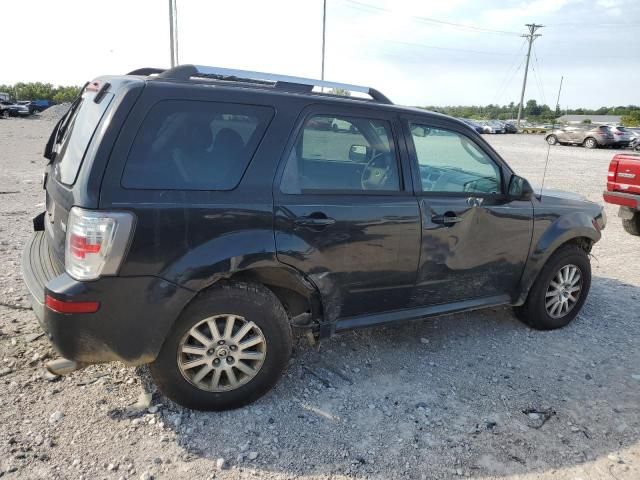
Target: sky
{"points": [[417, 52]]}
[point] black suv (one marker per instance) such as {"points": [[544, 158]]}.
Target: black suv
{"points": [[196, 216]]}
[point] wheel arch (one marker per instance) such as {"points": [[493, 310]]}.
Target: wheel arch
{"points": [[573, 229]]}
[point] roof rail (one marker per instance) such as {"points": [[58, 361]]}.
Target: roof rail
{"points": [[185, 72], [146, 71]]}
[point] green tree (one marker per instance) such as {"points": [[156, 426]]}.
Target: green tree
{"points": [[65, 94], [631, 120], [340, 91], [532, 109]]}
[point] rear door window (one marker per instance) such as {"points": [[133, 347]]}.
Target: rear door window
{"points": [[76, 134], [194, 145]]}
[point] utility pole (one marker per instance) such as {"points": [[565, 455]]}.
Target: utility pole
{"points": [[324, 27], [531, 36], [173, 32]]}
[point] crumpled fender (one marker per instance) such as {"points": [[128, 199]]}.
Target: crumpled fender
{"points": [[549, 235]]}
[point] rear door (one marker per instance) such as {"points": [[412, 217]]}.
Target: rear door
{"points": [[475, 240], [345, 214]]}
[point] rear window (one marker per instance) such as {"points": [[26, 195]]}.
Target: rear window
{"points": [[78, 131], [194, 145]]}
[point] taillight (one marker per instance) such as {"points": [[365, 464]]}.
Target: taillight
{"points": [[96, 242], [611, 175]]}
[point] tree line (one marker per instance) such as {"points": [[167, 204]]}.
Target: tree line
{"points": [[533, 112], [41, 91]]}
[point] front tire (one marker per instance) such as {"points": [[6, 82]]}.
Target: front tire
{"points": [[552, 140], [227, 349], [591, 143], [560, 290], [632, 225]]}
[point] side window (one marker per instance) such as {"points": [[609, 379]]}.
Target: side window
{"points": [[193, 145], [336, 153], [451, 162]]}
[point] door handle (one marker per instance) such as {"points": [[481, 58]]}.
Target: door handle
{"points": [[448, 219], [316, 219]]}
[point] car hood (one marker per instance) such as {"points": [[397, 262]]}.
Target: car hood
{"points": [[562, 195]]}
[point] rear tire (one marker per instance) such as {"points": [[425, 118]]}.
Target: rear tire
{"points": [[552, 140], [632, 225], [590, 143], [227, 374], [538, 311]]}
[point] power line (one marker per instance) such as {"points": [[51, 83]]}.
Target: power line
{"points": [[477, 29], [507, 77], [437, 47], [538, 74], [508, 82], [594, 25]]}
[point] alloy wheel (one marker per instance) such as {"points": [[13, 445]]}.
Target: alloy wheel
{"points": [[221, 353], [563, 291]]}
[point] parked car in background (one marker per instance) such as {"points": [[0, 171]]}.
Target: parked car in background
{"points": [[4, 109], [635, 139], [621, 136], [473, 124], [15, 109], [4, 97], [29, 104], [510, 127], [623, 189], [20, 110], [589, 136], [492, 126], [338, 125], [41, 105]]}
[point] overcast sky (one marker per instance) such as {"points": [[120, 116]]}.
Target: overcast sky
{"points": [[393, 45]]}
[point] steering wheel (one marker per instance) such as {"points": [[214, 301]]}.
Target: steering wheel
{"points": [[376, 172]]}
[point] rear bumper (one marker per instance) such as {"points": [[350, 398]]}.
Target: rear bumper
{"points": [[134, 318], [629, 200]]}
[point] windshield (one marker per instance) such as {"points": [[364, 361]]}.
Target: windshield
{"points": [[74, 134]]}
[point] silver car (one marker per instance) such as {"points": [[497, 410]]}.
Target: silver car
{"points": [[587, 135], [621, 136]]}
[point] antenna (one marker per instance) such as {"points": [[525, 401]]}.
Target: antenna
{"points": [[553, 127]]}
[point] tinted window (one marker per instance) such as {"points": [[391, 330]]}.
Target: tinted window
{"points": [[78, 130], [335, 153], [451, 162], [190, 145]]}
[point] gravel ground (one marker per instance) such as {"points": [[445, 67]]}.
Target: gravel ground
{"points": [[477, 395]]}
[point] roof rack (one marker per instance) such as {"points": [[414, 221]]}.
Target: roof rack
{"points": [[286, 82], [146, 71]]}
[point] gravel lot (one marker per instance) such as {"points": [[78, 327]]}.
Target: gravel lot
{"points": [[475, 394]]}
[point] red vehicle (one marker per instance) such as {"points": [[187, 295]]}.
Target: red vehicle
{"points": [[623, 188]]}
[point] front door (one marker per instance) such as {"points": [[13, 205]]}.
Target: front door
{"points": [[475, 240], [344, 215]]}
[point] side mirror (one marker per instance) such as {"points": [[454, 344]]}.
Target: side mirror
{"points": [[359, 153], [520, 188]]}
